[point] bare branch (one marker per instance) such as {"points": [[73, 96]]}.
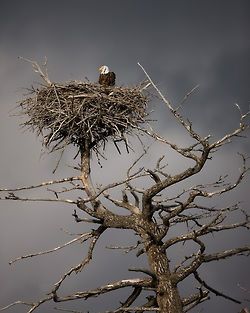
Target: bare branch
{"points": [[132, 297], [96, 235], [127, 249], [187, 96], [133, 193], [126, 205], [16, 303], [191, 306], [193, 266], [153, 175], [169, 181], [228, 187], [33, 306], [227, 253], [38, 69], [134, 282], [101, 191], [195, 298], [210, 227], [137, 309], [216, 292], [227, 138], [143, 270], [85, 220], [12, 196], [179, 118], [186, 152], [51, 182], [66, 310], [81, 238]]}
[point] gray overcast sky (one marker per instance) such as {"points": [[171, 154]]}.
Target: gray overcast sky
{"points": [[181, 44]]}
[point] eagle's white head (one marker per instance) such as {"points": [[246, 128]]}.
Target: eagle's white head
{"points": [[104, 69]]}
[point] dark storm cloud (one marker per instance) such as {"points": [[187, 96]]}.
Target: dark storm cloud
{"points": [[180, 43], [178, 38]]}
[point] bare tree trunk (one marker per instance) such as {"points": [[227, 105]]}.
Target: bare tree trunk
{"points": [[168, 297], [85, 168]]}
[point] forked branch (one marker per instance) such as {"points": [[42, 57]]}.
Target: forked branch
{"points": [[37, 69]]}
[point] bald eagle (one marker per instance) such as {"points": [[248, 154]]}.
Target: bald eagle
{"points": [[106, 78]]}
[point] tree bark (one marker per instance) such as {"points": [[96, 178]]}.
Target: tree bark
{"points": [[168, 298]]}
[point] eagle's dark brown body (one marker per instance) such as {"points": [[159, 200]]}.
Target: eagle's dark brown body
{"points": [[107, 79]]}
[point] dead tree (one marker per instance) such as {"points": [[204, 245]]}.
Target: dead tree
{"points": [[88, 115]]}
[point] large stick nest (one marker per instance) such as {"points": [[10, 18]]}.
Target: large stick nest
{"points": [[81, 113]]}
